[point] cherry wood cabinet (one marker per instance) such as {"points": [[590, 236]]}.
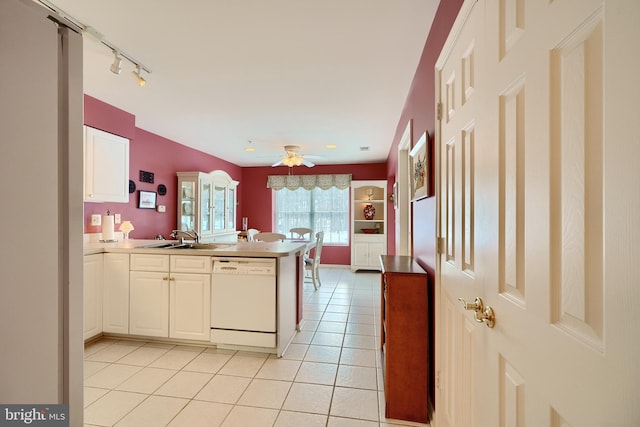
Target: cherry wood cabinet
{"points": [[404, 339]]}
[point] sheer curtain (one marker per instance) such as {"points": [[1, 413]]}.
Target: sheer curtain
{"points": [[319, 202]]}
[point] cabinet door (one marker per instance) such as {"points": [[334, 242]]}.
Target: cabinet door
{"points": [[360, 254], [92, 278], [106, 167], [149, 303], [115, 315], [231, 209], [190, 302], [375, 250], [219, 207], [206, 208]]}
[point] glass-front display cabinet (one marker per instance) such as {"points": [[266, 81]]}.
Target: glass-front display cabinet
{"points": [[207, 204]]}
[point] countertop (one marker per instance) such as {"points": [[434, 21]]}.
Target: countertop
{"points": [[240, 249]]}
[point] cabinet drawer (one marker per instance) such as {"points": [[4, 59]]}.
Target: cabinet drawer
{"points": [[147, 262], [190, 264]]}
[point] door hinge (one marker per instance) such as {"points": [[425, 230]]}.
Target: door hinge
{"points": [[440, 245], [439, 111], [438, 379]]}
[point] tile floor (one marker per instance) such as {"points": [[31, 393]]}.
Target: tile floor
{"points": [[330, 375]]}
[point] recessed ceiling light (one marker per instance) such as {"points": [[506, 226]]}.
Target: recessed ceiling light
{"points": [[331, 146], [249, 149], [364, 148]]}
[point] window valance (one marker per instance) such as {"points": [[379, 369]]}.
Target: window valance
{"points": [[309, 182]]}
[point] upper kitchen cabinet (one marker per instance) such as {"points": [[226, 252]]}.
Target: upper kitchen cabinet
{"points": [[207, 204], [106, 167]]}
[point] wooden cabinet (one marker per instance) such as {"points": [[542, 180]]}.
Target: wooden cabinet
{"points": [[207, 204], [404, 338], [368, 223], [92, 287], [106, 167], [115, 313], [170, 296]]}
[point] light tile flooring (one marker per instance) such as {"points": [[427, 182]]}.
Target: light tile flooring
{"points": [[330, 375]]}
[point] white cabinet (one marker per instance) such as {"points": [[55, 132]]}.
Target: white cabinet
{"points": [[149, 295], [367, 251], [207, 204], [189, 306], [368, 224], [106, 167], [170, 296], [115, 314], [149, 304], [92, 286]]}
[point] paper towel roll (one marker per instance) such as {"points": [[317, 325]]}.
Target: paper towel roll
{"points": [[108, 227]]}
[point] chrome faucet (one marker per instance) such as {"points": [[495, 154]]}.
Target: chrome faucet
{"points": [[182, 235]]}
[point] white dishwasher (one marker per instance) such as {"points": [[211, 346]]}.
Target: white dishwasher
{"points": [[243, 302]]}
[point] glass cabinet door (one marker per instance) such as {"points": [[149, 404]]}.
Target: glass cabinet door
{"points": [[205, 207], [187, 205], [231, 210], [219, 204]]}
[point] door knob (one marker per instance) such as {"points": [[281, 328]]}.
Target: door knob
{"points": [[476, 306], [483, 314]]}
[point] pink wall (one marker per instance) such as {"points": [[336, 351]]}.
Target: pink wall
{"points": [[152, 153], [257, 204], [419, 107]]}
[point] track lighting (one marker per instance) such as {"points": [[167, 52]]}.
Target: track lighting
{"points": [[136, 74], [116, 67], [94, 34]]}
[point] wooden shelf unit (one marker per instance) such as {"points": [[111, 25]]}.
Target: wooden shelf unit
{"points": [[404, 338]]}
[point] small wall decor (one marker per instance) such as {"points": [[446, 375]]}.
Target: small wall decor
{"points": [[146, 177], [162, 189], [146, 199], [132, 186], [420, 168]]}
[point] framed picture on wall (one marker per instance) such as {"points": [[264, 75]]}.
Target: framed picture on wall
{"points": [[146, 199], [420, 168]]}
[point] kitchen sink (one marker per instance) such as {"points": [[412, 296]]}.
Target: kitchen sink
{"points": [[176, 245]]}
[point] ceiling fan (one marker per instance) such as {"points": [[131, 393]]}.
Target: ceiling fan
{"points": [[293, 158]]}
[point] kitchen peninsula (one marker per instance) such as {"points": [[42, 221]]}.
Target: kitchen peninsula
{"points": [[243, 295]]}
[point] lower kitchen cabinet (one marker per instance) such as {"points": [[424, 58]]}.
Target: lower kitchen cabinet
{"points": [[115, 312], [92, 287], [149, 303], [189, 306], [170, 296]]}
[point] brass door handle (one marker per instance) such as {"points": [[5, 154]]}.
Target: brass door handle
{"points": [[483, 314]]}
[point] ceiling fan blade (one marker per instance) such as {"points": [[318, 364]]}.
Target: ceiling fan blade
{"points": [[280, 163], [307, 163]]}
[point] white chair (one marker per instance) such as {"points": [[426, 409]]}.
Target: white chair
{"points": [[300, 233], [313, 264], [269, 237], [250, 234]]}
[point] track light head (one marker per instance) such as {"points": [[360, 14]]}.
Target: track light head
{"points": [[116, 67], [136, 74]]}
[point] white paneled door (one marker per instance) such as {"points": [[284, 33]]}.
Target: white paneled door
{"points": [[539, 215]]}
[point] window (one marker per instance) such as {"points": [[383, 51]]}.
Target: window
{"points": [[320, 210]]}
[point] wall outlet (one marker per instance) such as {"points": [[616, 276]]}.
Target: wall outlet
{"points": [[117, 219], [96, 219], [162, 208]]}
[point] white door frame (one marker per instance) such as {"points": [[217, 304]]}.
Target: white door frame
{"points": [[402, 202]]}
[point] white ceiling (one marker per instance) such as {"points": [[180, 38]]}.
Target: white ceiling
{"points": [[273, 72]]}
